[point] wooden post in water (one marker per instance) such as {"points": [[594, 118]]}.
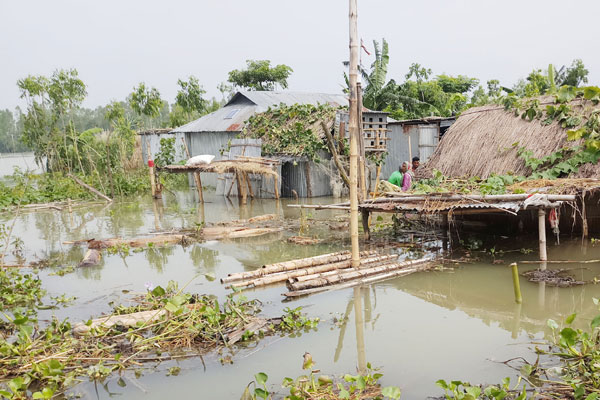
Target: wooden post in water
{"points": [[516, 285], [151, 168], [353, 125], [197, 179], [542, 236]]}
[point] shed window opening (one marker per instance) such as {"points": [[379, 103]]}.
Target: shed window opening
{"points": [[232, 113]]}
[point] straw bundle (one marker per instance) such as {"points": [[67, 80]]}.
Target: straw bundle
{"points": [[482, 141]]}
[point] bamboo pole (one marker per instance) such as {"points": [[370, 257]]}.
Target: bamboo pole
{"points": [[365, 262], [363, 281], [312, 272], [516, 285], [542, 234], [353, 124], [293, 265], [353, 274], [240, 187], [247, 179], [150, 167], [361, 145], [276, 187], [196, 174]]}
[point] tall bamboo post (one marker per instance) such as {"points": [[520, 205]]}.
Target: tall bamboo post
{"points": [[361, 146], [353, 125], [542, 235]]}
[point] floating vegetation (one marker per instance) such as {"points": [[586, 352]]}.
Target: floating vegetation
{"points": [[165, 324], [571, 372], [19, 290], [552, 277], [323, 387]]}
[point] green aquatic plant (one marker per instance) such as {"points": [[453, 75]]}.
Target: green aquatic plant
{"points": [[53, 358], [313, 386]]}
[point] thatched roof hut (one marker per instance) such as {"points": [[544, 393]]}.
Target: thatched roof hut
{"points": [[485, 140]]}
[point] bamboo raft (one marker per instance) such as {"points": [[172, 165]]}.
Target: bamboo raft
{"points": [[326, 272]]}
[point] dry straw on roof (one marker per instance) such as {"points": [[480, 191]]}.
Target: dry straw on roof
{"points": [[482, 141]]}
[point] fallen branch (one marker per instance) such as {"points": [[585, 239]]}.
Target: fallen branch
{"points": [[334, 154], [89, 188]]}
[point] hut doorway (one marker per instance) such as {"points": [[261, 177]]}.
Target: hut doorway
{"points": [[287, 171]]}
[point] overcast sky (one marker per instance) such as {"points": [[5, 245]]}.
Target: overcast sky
{"points": [[115, 44]]}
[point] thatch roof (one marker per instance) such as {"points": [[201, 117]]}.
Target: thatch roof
{"points": [[482, 141]]}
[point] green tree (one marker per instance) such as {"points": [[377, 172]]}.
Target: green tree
{"points": [[259, 75], [540, 82], [574, 75], [146, 101], [376, 91], [189, 103], [48, 127], [421, 95], [189, 96]]}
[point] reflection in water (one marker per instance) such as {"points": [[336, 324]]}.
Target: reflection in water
{"points": [[517, 320], [360, 331], [204, 257], [158, 256], [361, 317]]}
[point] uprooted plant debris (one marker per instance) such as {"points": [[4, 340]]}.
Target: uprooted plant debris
{"points": [[165, 324], [552, 277]]}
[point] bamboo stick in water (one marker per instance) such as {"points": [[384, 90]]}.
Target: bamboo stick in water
{"points": [[310, 271], [362, 281], [355, 274], [293, 265]]}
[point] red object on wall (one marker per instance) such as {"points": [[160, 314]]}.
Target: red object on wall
{"points": [[151, 163]]}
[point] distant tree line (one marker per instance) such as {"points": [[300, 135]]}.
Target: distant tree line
{"points": [[54, 111]]}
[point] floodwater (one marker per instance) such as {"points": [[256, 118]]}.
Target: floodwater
{"points": [[457, 323], [23, 161]]}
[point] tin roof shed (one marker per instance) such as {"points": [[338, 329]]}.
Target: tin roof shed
{"points": [[232, 116]]}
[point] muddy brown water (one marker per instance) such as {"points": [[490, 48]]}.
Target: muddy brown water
{"points": [[455, 323]]}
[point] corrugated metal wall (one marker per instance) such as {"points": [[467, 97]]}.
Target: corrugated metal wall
{"points": [[293, 177], [155, 146], [397, 147], [429, 136], [209, 143]]}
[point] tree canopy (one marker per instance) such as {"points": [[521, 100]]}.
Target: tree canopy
{"points": [[259, 75]]}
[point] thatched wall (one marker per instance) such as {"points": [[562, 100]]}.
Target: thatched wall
{"points": [[482, 142]]}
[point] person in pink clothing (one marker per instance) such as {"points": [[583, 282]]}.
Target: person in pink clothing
{"points": [[407, 176]]}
